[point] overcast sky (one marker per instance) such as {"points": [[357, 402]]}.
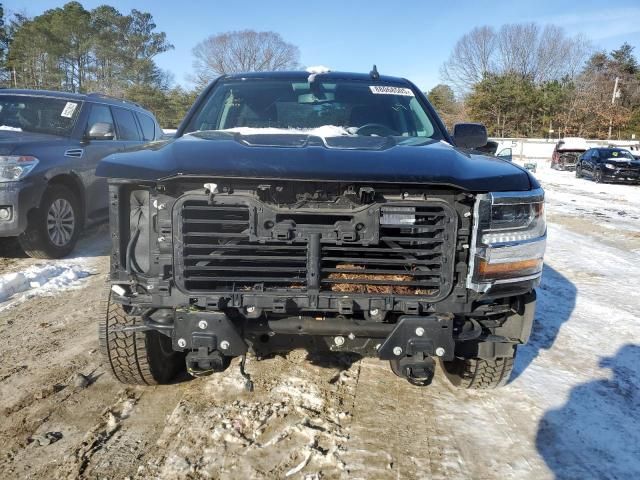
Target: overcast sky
{"points": [[409, 39]]}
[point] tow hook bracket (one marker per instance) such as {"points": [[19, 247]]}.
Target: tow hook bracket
{"points": [[417, 370], [414, 336], [211, 330]]}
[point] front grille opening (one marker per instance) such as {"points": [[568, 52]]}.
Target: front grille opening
{"points": [[357, 279], [410, 258], [217, 254]]}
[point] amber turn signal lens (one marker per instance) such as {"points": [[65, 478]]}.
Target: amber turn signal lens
{"points": [[509, 269]]}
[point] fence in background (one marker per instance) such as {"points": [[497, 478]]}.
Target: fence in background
{"points": [[541, 149]]}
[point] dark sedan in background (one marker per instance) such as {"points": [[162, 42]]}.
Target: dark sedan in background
{"points": [[609, 165]]}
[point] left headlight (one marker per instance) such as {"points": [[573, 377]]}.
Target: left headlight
{"points": [[16, 167], [509, 238]]}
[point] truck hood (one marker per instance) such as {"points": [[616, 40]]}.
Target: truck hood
{"points": [[308, 157], [24, 143]]}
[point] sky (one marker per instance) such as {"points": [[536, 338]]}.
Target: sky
{"points": [[411, 39]]}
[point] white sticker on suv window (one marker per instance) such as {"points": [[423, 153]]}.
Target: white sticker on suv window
{"points": [[389, 90], [68, 110]]}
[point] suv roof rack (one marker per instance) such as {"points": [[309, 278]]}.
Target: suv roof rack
{"points": [[111, 97]]}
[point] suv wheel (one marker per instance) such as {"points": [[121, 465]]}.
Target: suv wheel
{"points": [[53, 228], [578, 171], [142, 358], [476, 373]]}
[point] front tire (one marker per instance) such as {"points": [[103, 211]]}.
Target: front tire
{"points": [[479, 374], [597, 176], [139, 358], [53, 228], [578, 171]]}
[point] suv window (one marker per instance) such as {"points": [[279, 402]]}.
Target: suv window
{"points": [[148, 126], [126, 122], [38, 114], [99, 114]]}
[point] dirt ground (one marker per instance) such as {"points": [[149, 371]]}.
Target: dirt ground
{"points": [[64, 416]]}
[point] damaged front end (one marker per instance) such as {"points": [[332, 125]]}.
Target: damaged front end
{"points": [[401, 272]]}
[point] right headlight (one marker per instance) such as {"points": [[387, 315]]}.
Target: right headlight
{"points": [[16, 167], [509, 238]]}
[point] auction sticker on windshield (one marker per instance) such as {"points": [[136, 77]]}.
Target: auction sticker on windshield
{"points": [[68, 110], [388, 90]]}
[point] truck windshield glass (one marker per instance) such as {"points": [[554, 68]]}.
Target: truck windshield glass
{"points": [[23, 113], [325, 108]]}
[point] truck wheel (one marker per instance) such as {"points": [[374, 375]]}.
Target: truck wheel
{"points": [[476, 373], [53, 228], [141, 358]]}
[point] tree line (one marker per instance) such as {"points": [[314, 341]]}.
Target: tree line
{"points": [[104, 50], [524, 80]]}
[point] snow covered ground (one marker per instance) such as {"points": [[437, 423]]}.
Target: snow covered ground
{"points": [[24, 278], [38, 280]]}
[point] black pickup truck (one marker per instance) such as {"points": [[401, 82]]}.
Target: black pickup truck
{"points": [[327, 211]]}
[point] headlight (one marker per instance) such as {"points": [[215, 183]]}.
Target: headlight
{"points": [[509, 238], [15, 167], [609, 165]]}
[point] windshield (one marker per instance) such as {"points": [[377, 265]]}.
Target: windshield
{"points": [[23, 113], [323, 108], [615, 154]]}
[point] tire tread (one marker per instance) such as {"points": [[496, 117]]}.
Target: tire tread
{"points": [[126, 352]]}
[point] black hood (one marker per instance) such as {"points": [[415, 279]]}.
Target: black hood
{"points": [[304, 157]]}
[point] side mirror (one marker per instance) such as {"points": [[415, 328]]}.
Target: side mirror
{"points": [[469, 135], [506, 154], [101, 131]]}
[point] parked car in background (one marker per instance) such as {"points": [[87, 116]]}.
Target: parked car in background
{"points": [[566, 153], [609, 165], [50, 145], [491, 148]]}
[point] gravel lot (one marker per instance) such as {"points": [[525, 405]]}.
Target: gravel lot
{"points": [[570, 411]]}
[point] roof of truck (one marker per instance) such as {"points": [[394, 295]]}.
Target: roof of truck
{"points": [[325, 75]]}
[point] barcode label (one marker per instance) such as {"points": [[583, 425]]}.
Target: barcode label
{"points": [[388, 90]]}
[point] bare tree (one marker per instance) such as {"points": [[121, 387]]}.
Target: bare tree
{"points": [[243, 51], [517, 48], [523, 49], [471, 58]]}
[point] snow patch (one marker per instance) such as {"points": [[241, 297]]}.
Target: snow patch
{"points": [[316, 70], [40, 280], [301, 392]]}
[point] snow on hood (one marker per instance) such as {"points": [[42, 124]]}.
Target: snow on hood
{"points": [[10, 129], [323, 131], [318, 69]]}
